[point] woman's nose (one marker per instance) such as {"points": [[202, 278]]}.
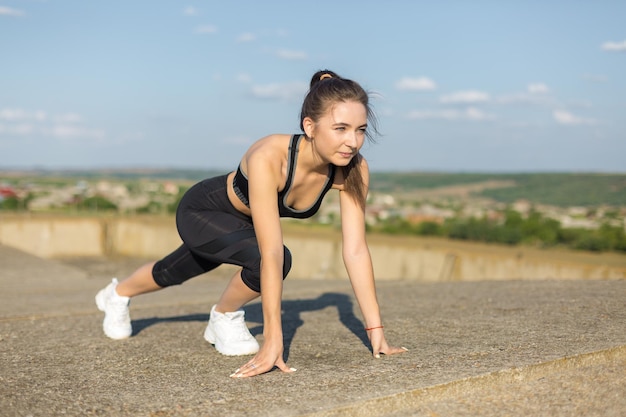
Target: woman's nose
{"points": [[352, 140]]}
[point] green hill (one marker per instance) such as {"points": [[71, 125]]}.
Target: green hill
{"points": [[558, 189]]}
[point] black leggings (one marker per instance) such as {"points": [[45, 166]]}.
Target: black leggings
{"points": [[213, 233]]}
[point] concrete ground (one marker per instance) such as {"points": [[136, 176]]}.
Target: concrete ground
{"points": [[541, 348]]}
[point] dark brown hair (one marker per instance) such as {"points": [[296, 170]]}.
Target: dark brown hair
{"points": [[327, 88]]}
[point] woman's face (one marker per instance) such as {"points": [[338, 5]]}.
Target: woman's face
{"points": [[339, 134]]}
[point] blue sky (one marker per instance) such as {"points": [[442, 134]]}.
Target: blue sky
{"points": [[461, 86]]}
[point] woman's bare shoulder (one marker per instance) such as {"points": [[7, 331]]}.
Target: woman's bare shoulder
{"points": [[270, 148], [270, 143]]}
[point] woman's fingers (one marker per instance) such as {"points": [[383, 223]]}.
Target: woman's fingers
{"points": [[252, 368], [283, 366], [390, 351], [380, 346]]}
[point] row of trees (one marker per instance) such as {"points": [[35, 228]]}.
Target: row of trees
{"points": [[89, 204], [514, 229]]}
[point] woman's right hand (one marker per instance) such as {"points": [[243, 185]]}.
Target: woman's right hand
{"points": [[269, 356]]}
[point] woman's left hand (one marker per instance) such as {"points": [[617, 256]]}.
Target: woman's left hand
{"points": [[380, 345]]}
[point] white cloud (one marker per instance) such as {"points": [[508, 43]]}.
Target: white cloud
{"points": [[470, 96], [246, 37], [244, 78], [416, 84], [19, 129], [470, 113], [72, 132], [68, 118], [19, 114], [526, 98], [614, 46], [7, 11], [190, 11], [291, 55], [206, 29], [20, 122], [537, 88], [59, 131], [566, 118], [12, 114], [286, 91]]}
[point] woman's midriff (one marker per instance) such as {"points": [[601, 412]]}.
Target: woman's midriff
{"points": [[234, 200]]}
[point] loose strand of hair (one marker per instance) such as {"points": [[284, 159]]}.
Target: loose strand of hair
{"points": [[353, 181]]}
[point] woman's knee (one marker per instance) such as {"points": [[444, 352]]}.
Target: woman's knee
{"points": [[287, 262], [251, 273], [163, 277], [180, 266]]}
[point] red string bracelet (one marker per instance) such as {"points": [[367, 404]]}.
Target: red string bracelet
{"points": [[367, 329]]}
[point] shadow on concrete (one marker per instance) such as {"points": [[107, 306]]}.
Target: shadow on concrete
{"points": [[292, 320], [141, 324]]}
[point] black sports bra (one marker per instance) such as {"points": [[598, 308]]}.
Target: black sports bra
{"points": [[240, 185]]}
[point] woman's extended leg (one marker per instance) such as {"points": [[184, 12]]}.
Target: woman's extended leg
{"points": [[174, 269], [139, 282], [114, 299]]}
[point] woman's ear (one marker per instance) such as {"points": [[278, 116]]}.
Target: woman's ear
{"points": [[309, 126]]}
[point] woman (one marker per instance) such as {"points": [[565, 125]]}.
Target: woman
{"points": [[235, 219]]}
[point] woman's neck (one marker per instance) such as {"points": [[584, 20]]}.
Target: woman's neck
{"points": [[309, 159]]}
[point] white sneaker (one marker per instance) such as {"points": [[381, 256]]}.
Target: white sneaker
{"points": [[116, 324], [229, 333]]}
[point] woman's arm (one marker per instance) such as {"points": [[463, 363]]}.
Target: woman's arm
{"points": [[264, 176], [358, 262], [356, 255]]}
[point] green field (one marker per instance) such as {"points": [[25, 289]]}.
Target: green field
{"points": [[558, 189]]}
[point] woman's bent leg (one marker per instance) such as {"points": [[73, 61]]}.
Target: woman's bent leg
{"points": [[236, 295], [227, 328]]}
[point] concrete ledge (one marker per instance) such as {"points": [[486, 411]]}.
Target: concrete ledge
{"points": [[317, 252]]}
